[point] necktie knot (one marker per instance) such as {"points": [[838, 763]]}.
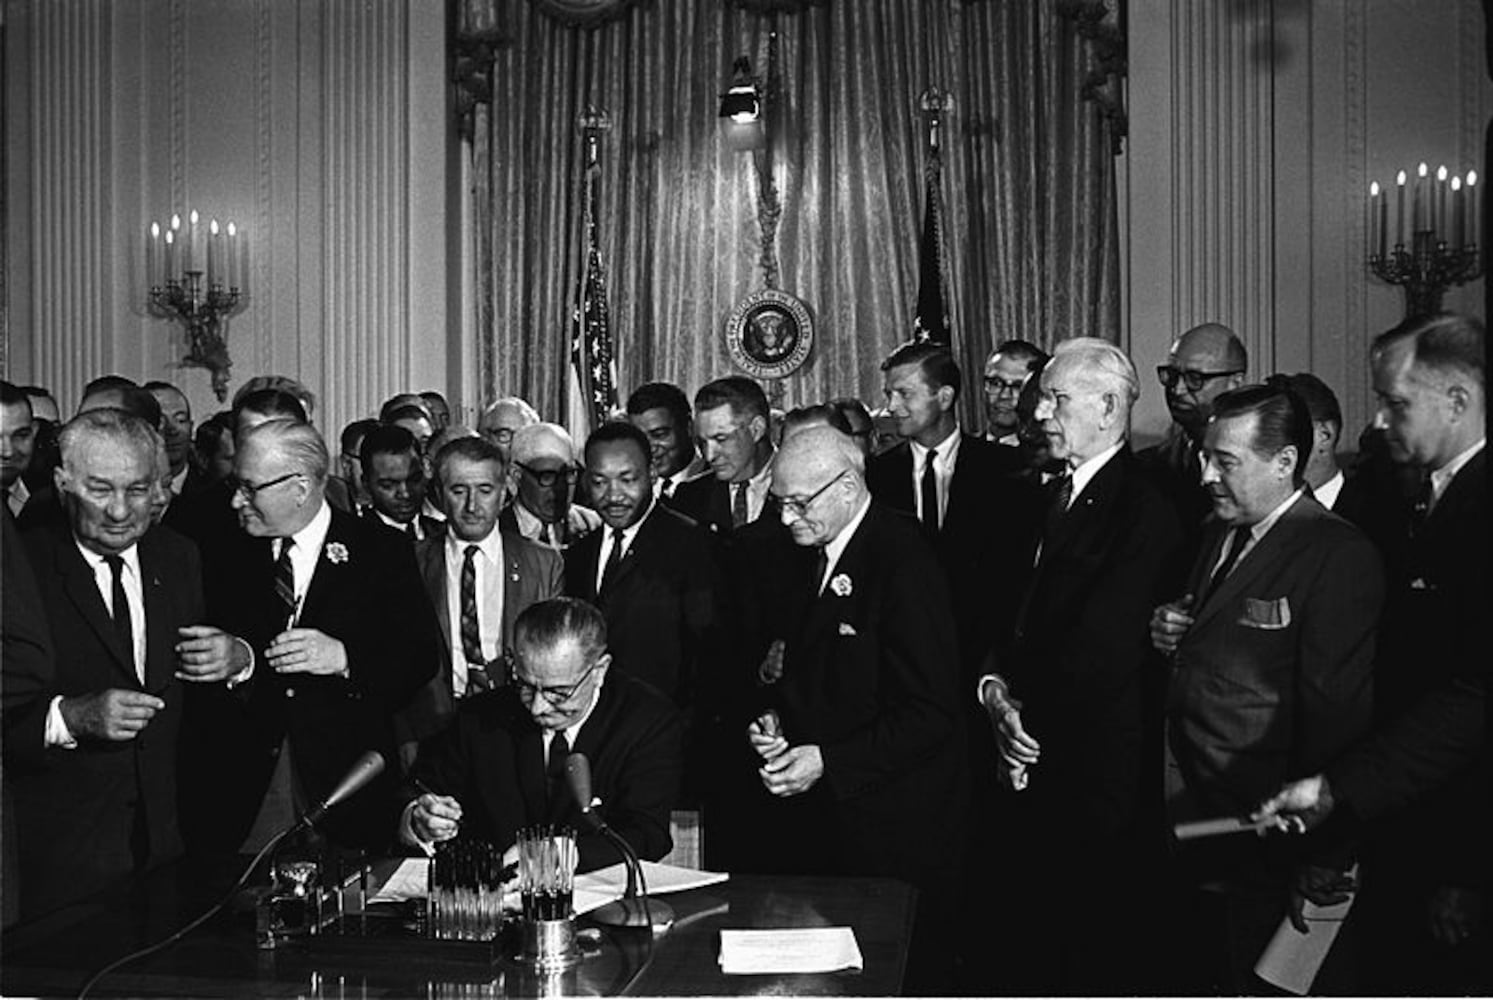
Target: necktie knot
{"points": [[471, 552]]}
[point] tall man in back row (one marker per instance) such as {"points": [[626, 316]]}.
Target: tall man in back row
{"points": [[865, 727]]}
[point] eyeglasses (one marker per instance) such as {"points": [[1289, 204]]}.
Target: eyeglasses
{"points": [[557, 695], [1001, 386], [549, 477], [500, 435], [800, 508], [1194, 380], [250, 492]]}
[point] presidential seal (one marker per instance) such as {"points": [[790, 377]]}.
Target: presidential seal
{"points": [[769, 334]]}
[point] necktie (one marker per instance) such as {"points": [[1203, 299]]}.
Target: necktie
{"points": [[1237, 539], [554, 769], [1062, 495], [666, 488], [821, 566], [1421, 511], [614, 559], [471, 635], [285, 580], [930, 492], [121, 607], [409, 529], [739, 512], [544, 534]]}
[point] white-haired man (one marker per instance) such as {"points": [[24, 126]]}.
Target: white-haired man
{"points": [[542, 478], [1065, 693]]}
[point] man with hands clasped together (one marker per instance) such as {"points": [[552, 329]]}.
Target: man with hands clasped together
{"points": [[92, 751]]}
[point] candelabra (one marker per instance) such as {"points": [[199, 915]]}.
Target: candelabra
{"points": [[201, 297], [1442, 251]]}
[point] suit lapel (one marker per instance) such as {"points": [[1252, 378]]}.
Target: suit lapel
{"points": [[1257, 560], [643, 543], [513, 585], [433, 568], [326, 574], [78, 582]]}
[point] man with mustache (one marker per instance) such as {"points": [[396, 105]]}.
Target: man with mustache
{"points": [[1272, 653]]}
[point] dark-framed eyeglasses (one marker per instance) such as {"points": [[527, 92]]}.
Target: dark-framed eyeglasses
{"points": [[250, 491], [1194, 380], [1002, 386], [549, 477], [554, 694], [800, 508], [499, 435]]}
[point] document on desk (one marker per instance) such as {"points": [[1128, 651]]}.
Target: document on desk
{"points": [[596, 889], [410, 879], [790, 950]]}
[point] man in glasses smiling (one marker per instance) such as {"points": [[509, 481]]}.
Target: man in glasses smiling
{"points": [[501, 765], [1204, 363]]}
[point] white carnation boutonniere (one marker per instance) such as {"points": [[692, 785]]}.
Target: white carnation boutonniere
{"points": [[337, 553], [841, 585]]}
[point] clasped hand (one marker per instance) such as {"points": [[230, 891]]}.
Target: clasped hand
{"points": [[785, 770], [435, 818], [115, 714], [1169, 623], [307, 651], [206, 654]]}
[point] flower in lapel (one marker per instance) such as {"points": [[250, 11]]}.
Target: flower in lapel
{"points": [[841, 585], [337, 553]]}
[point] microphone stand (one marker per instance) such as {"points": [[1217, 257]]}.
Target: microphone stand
{"points": [[635, 908]]}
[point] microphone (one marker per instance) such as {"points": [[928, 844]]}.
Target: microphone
{"points": [[364, 770], [634, 909]]}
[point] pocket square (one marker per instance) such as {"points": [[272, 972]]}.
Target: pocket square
{"points": [[847, 629], [1266, 614]]}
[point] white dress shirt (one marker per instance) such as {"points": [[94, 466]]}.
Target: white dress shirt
{"points": [[1329, 491], [305, 553], [836, 548], [489, 571], [943, 472], [403, 529], [1442, 477]]}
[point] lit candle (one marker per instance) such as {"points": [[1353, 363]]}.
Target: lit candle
{"points": [[192, 249], [1457, 224], [172, 263], [1440, 225], [170, 255], [212, 253], [1474, 210], [232, 256], [243, 264], [1400, 209], [151, 245], [1374, 218], [1422, 220]]}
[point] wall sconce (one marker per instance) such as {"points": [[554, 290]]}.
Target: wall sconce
{"points": [[741, 109]]}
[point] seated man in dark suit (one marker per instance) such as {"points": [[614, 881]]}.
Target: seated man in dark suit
{"points": [[1205, 361], [501, 765], [343, 636], [394, 473], [1272, 653], [96, 782]]}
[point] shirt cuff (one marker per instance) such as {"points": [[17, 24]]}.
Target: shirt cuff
{"points": [[57, 734], [244, 674]]}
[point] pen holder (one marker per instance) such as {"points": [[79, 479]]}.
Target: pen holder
{"points": [[546, 879], [466, 891]]}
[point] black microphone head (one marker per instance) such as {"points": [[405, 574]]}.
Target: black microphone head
{"points": [[578, 777], [367, 767]]}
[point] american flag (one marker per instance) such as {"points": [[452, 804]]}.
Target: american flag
{"points": [[593, 383], [931, 322]]}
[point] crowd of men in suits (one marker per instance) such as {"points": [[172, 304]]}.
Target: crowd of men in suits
{"points": [[999, 666]]}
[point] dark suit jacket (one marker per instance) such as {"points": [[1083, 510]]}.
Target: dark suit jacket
{"points": [[491, 759], [871, 677], [984, 541], [372, 602], [430, 527], [1173, 466], [663, 606], [1275, 677], [533, 573], [76, 812], [1080, 654]]}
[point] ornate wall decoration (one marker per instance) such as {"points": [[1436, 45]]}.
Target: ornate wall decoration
{"points": [[585, 13]]}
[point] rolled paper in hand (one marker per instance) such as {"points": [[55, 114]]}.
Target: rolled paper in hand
{"points": [[1220, 827]]}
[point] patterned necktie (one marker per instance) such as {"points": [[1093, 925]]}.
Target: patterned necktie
{"points": [[614, 559], [739, 512], [471, 635], [285, 580], [121, 609], [930, 492], [1062, 495], [1421, 511], [554, 770]]}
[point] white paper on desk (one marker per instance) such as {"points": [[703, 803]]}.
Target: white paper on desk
{"points": [[410, 880], [796, 950], [1292, 959], [596, 889]]}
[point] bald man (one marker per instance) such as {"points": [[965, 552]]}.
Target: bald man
{"points": [[1203, 364], [864, 728]]}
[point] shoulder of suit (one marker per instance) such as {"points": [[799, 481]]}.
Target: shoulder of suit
{"points": [[900, 452], [635, 700]]}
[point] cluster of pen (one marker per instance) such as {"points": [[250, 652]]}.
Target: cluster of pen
{"points": [[466, 891]]}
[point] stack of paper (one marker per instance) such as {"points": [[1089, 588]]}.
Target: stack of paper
{"points": [[797, 950]]}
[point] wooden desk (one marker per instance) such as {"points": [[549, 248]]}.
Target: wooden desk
{"points": [[55, 955]]}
